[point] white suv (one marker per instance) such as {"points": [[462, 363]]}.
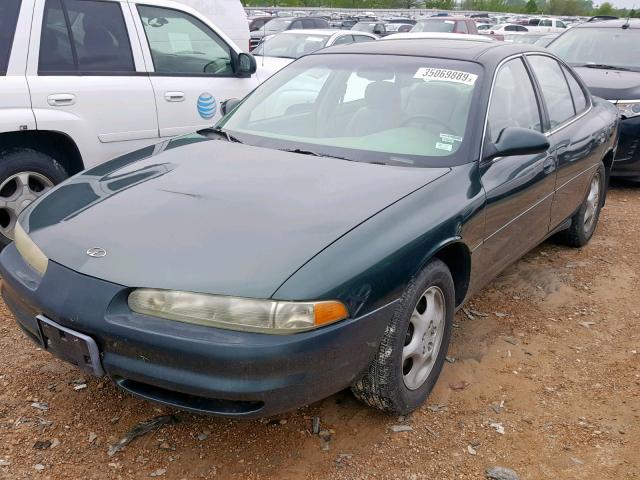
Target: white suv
{"points": [[82, 81]]}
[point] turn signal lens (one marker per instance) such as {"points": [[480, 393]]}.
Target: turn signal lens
{"points": [[236, 313], [329, 312], [29, 250]]}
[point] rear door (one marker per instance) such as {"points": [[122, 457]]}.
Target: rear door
{"points": [[191, 68], [577, 150], [519, 189], [86, 76]]}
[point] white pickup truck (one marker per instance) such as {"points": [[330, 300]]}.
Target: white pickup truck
{"points": [[83, 81]]}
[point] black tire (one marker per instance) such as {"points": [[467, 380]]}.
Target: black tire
{"points": [[579, 234], [14, 161], [383, 385]]}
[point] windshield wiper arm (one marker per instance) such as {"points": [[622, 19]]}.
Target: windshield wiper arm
{"points": [[302, 151], [604, 66], [225, 134]]}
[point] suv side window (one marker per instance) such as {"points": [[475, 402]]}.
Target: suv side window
{"points": [[182, 45], [577, 93], [9, 10], [296, 25], [560, 24], [513, 101], [87, 37], [461, 27], [554, 88], [545, 23]]}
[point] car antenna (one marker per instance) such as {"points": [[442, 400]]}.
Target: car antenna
{"points": [[626, 24]]}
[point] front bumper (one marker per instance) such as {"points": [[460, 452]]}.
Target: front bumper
{"points": [[191, 367], [627, 161]]}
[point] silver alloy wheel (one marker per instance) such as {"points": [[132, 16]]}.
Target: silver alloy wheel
{"points": [[593, 202], [423, 338], [16, 193]]}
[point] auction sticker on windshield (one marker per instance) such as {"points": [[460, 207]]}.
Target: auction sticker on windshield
{"points": [[446, 75]]}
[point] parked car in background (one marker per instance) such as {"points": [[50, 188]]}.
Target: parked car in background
{"points": [[446, 24], [278, 25], [375, 27], [529, 38], [341, 232], [483, 26], [278, 50], [343, 24], [605, 54], [546, 25], [508, 29], [398, 28], [83, 84], [256, 23]]}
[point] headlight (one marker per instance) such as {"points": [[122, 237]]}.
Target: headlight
{"points": [[628, 108], [29, 250], [235, 313]]}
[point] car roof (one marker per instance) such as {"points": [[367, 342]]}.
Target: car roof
{"points": [[439, 36], [475, 51], [618, 23]]}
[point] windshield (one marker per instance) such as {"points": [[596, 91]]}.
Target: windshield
{"points": [[401, 110], [277, 25], [291, 45], [434, 25], [8, 17], [609, 46]]}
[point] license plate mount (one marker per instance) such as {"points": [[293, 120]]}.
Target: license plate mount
{"points": [[73, 347]]}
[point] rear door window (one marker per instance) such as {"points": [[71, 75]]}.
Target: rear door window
{"points": [[579, 98], [88, 37], [555, 89], [9, 10]]}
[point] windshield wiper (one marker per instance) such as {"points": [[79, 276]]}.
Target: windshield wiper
{"points": [[604, 66], [302, 151], [225, 134]]}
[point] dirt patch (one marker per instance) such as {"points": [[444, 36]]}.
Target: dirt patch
{"points": [[552, 390]]}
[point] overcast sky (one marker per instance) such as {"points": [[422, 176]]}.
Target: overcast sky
{"points": [[622, 3]]}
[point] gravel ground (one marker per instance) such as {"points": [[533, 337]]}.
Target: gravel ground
{"points": [[544, 379]]}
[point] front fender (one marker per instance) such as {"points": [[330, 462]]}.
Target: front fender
{"points": [[371, 265]]}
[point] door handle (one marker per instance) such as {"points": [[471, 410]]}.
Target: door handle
{"points": [[61, 99], [174, 96], [549, 165]]}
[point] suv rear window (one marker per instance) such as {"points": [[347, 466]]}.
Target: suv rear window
{"points": [[9, 10]]}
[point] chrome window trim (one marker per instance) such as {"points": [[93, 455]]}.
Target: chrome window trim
{"points": [[547, 133], [575, 117]]}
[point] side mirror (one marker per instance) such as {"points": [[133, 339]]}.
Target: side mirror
{"points": [[518, 141], [228, 105], [245, 65]]}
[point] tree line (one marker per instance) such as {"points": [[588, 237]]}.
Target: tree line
{"points": [[570, 8]]}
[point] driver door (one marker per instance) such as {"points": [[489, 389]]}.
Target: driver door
{"points": [[190, 68]]}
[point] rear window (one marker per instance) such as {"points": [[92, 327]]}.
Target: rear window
{"points": [[9, 10]]}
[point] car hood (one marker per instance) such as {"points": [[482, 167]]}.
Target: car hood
{"points": [[611, 84], [211, 216]]}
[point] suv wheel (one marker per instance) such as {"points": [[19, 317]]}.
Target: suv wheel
{"points": [[25, 175]]}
